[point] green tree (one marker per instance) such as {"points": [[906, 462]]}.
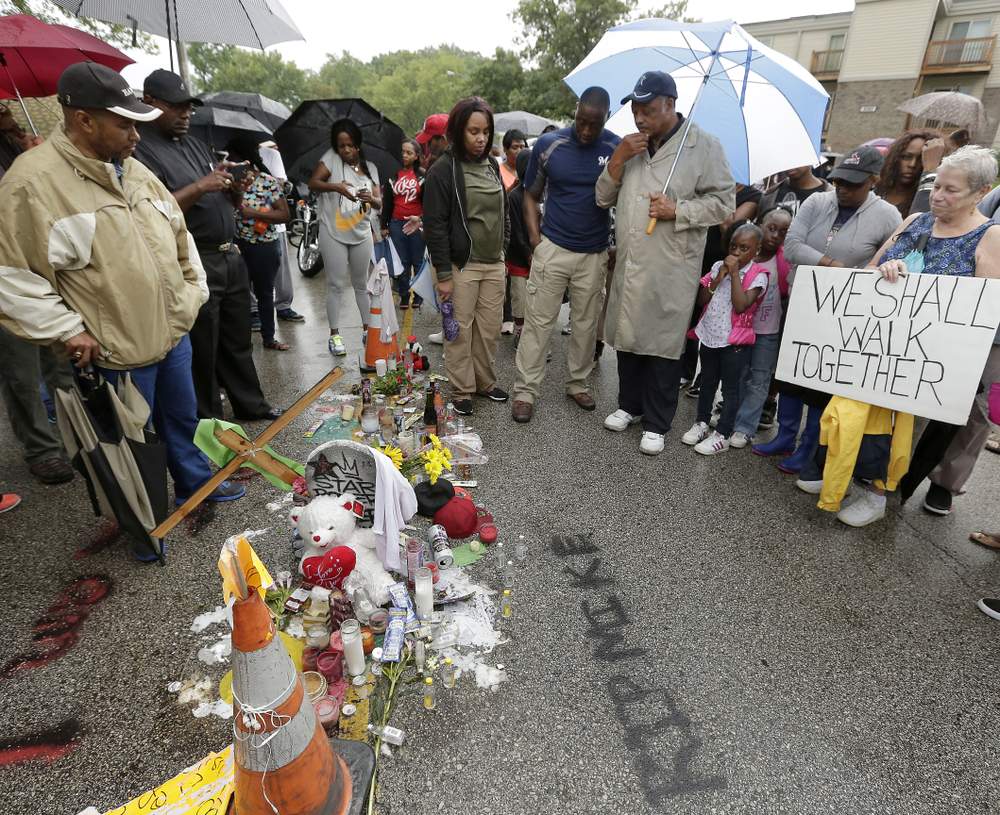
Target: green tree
{"points": [[499, 79], [228, 68], [117, 35], [557, 34]]}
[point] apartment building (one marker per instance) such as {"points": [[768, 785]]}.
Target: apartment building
{"points": [[873, 59]]}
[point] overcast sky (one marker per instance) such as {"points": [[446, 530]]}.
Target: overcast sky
{"points": [[406, 25]]}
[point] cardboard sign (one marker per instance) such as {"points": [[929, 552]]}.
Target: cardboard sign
{"points": [[918, 345]]}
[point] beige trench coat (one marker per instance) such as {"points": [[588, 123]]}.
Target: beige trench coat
{"points": [[656, 276]]}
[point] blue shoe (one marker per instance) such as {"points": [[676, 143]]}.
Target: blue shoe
{"points": [[143, 555], [226, 491], [789, 419], [808, 442]]}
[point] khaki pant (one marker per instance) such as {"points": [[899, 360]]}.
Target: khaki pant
{"points": [[518, 295], [553, 270], [478, 299]]}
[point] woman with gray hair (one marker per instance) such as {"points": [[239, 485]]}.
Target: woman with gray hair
{"points": [[955, 238]]}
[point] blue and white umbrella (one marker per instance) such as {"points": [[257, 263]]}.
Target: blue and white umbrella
{"points": [[765, 108]]}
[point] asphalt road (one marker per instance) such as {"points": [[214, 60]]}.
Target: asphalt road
{"points": [[691, 635]]}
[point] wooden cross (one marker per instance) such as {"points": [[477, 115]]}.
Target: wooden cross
{"points": [[246, 451]]}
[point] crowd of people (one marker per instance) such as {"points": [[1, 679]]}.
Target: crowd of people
{"points": [[128, 247]]}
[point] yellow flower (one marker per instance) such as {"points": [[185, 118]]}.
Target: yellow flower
{"points": [[395, 454], [435, 441]]}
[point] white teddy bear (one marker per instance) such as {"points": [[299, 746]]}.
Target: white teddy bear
{"points": [[327, 522]]}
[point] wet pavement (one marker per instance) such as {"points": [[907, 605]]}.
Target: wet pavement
{"points": [[690, 635]]}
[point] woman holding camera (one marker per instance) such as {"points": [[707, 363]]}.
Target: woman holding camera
{"points": [[349, 199]]}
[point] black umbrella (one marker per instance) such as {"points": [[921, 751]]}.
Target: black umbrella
{"points": [[104, 430], [305, 137], [265, 110], [928, 453], [216, 126]]}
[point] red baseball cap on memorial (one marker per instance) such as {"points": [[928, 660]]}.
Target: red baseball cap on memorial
{"points": [[434, 125], [459, 517]]}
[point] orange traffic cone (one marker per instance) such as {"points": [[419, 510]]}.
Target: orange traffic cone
{"points": [[375, 348], [284, 762]]}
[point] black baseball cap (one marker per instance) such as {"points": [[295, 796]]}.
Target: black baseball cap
{"points": [[89, 85], [169, 87], [650, 85], [858, 165]]}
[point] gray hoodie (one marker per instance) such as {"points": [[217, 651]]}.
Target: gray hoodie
{"points": [[855, 242]]}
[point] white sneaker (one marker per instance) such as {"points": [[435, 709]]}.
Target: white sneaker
{"points": [[739, 440], [438, 338], [870, 507], [620, 420], [507, 328], [336, 345], [810, 487], [697, 432], [714, 444], [651, 443]]}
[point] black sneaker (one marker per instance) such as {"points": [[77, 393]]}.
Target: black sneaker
{"points": [[990, 606], [694, 389], [598, 350], [938, 500], [463, 407], [291, 316], [495, 394], [255, 322]]}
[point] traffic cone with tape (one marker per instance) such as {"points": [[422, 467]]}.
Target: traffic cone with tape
{"points": [[382, 313], [284, 762]]}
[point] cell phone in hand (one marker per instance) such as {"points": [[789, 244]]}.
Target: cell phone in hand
{"points": [[238, 171]]}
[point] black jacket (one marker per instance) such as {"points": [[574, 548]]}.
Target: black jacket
{"points": [[445, 228], [519, 248], [389, 197]]}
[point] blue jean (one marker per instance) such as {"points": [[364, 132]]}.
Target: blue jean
{"points": [[729, 365], [757, 382], [168, 389], [410, 249]]}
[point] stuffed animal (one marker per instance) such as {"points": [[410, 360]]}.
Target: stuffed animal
{"points": [[335, 546]]}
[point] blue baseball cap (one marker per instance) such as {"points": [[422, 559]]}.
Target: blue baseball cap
{"points": [[652, 84]]}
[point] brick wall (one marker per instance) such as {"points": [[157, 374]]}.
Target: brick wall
{"points": [[850, 127]]}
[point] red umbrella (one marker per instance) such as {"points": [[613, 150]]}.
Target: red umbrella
{"points": [[33, 54]]}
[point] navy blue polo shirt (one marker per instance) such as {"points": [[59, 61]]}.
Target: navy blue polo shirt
{"points": [[566, 172]]}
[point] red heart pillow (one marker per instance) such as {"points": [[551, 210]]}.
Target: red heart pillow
{"points": [[330, 569]]}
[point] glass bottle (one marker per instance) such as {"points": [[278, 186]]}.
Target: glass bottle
{"points": [[385, 418], [419, 655], [521, 550], [430, 412], [506, 604], [430, 701], [500, 554], [448, 677], [508, 575]]}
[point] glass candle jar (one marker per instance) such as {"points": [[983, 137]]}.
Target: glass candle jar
{"points": [[423, 583], [354, 652]]}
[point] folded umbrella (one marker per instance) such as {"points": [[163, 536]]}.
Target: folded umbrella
{"points": [[104, 430], [765, 109], [305, 137]]}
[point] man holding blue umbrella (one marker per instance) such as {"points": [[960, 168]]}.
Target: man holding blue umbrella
{"points": [[656, 276]]}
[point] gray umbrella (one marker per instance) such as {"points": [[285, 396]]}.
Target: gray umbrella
{"points": [[252, 23], [528, 123], [948, 107], [264, 109]]}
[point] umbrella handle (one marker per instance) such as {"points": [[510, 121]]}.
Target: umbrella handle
{"points": [[651, 226]]}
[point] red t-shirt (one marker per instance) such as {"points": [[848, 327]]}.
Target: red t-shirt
{"points": [[406, 195]]}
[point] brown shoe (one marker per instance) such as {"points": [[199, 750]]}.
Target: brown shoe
{"points": [[584, 401], [521, 412]]}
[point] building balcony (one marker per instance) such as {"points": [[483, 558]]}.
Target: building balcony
{"points": [[826, 64], [959, 56]]}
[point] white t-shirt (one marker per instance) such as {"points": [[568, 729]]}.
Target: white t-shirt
{"points": [[346, 220], [276, 167], [716, 323], [767, 320]]}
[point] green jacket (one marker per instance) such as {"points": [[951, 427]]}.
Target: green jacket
{"points": [[82, 251]]}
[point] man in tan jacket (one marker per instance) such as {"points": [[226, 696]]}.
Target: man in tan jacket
{"points": [[95, 258], [656, 276]]}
